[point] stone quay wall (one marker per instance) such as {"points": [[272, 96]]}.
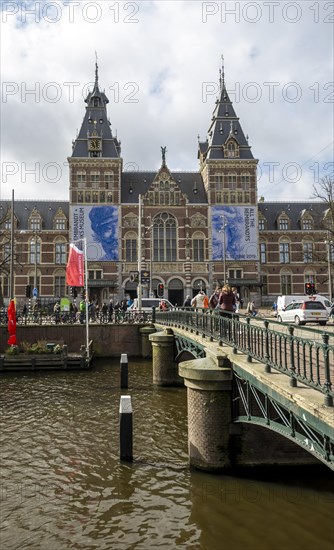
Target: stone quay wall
{"points": [[110, 340]]}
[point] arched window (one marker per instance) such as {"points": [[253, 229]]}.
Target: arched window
{"points": [[4, 281], [197, 285], [286, 282], [198, 247], [130, 247], [60, 252], [35, 251], [59, 284], [307, 252], [231, 149], [263, 252], [284, 252], [164, 238]]}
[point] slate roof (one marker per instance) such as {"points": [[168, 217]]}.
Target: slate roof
{"points": [[294, 210], [225, 124], [23, 210], [96, 120], [138, 183]]}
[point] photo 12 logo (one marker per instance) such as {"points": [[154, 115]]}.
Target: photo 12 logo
{"points": [[71, 12], [50, 172], [292, 172], [53, 92], [290, 92], [270, 12]]}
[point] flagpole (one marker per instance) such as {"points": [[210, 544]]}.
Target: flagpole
{"points": [[11, 280], [86, 298], [139, 287]]}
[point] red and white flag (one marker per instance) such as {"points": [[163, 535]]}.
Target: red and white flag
{"points": [[75, 267], [11, 323]]}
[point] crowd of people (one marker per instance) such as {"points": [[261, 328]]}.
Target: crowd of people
{"points": [[106, 313], [224, 298]]}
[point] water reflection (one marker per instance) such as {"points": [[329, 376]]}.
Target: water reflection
{"points": [[64, 487]]}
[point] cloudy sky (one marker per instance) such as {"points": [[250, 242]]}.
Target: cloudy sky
{"points": [[159, 65]]}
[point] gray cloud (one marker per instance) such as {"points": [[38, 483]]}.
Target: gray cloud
{"points": [[155, 59]]}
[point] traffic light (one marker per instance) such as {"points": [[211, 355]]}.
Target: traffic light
{"points": [[83, 294], [160, 290], [73, 291], [28, 291], [310, 288]]}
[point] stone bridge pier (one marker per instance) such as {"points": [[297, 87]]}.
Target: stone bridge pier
{"points": [[165, 368], [209, 394], [217, 439]]}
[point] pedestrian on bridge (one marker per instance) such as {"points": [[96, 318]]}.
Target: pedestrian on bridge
{"points": [[227, 307], [110, 310], [214, 299], [200, 300]]}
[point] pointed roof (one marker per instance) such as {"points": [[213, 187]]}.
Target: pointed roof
{"points": [[190, 184], [138, 183], [96, 124], [224, 126], [101, 99], [294, 210]]}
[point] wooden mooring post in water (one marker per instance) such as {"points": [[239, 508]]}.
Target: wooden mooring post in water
{"points": [[125, 428]]}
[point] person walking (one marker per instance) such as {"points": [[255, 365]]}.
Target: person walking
{"points": [[251, 309], [214, 299], [110, 310], [227, 307], [198, 300], [237, 298]]}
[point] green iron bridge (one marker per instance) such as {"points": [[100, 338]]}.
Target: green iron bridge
{"points": [[297, 405]]}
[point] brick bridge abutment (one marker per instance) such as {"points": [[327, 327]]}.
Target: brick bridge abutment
{"points": [[215, 442]]}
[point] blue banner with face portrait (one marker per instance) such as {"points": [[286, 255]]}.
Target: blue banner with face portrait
{"points": [[234, 228], [99, 224]]}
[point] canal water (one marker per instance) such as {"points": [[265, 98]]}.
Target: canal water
{"points": [[63, 486]]}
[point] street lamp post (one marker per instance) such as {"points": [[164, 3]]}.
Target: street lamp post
{"points": [[35, 257], [329, 243], [139, 288], [150, 231], [224, 247], [11, 279], [35, 271]]}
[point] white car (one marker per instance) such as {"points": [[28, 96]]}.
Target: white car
{"points": [[284, 301], [304, 312]]}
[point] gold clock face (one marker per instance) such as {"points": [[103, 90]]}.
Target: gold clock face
{"points": [[94, 144]]}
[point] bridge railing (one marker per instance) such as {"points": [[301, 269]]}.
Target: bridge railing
{"points": [[66, 318], [303, 354]]}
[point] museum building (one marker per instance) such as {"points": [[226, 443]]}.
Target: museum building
{"points": [[178, 232]]}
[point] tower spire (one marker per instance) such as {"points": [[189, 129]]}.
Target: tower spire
{"points": [[222, 74], [96, 71]]}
